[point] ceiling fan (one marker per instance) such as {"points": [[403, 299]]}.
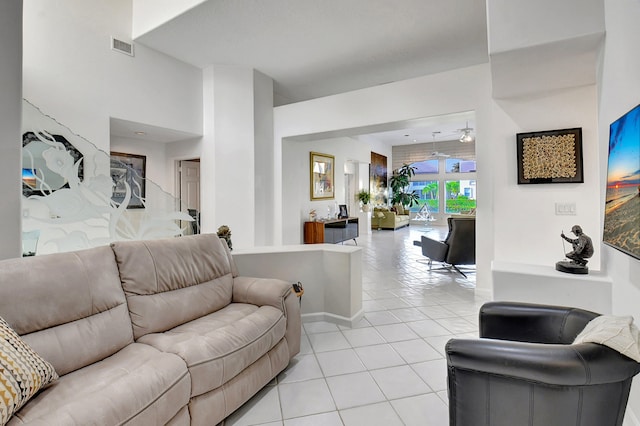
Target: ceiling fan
{"points": [[436, 153], [466, 136]]}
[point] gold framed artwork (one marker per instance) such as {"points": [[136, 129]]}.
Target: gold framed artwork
{"points": [[553, 156], [322, 167], [378, 178]]}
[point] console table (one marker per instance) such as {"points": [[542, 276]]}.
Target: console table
{"points": [[331, 231]]}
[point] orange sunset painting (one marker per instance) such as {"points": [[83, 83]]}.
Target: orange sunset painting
{"points": [[622, 208]]}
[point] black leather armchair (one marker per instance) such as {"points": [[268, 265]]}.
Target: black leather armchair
{"points": [[525, 371], [459, 248]]}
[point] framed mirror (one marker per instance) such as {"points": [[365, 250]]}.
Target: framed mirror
{"points": [[322, 176]]}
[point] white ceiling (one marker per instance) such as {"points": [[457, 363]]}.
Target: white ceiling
{"points": [[314, 48], [145, 132]]}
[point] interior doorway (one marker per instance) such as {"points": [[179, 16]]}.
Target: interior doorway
{"points": [[189, 187]]}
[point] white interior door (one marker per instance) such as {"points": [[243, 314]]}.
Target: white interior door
{"points": [[190, 190]]}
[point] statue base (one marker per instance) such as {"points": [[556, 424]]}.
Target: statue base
{"points": [[571, 268]]}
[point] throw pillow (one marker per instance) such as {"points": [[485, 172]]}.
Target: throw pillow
{"points": [[22, 372], [618, 333]]}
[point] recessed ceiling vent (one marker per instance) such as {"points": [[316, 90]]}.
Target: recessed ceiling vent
{"points": [[121, 46]]}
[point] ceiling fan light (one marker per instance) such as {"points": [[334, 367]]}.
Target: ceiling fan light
{"points": [[466, 137]]}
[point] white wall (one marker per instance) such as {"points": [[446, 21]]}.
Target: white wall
{"points": [[527, 229], [71, 73], [263, 157], [503, 222], [10, 115], [296, 196], [619, 92]]}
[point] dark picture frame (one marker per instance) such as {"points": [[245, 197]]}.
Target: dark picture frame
{"points": [[129, 169], [553, 156], [342, 211], [322, 176]]}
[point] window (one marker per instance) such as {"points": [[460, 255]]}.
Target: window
{"points": [[460, 196], [456, 165], [428, 191], [426, 167]]}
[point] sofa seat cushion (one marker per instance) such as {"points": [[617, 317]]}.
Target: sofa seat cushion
{"points": [[218, 346], [138, 385]]}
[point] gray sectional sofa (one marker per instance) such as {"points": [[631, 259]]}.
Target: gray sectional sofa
{"points": [[148, 332]]}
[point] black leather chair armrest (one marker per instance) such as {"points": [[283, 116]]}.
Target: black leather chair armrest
{"points": [[526, 322], [433, 249], [562, 365]]}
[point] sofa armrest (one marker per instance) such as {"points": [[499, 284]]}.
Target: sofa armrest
{"points": [[261, 291], [560, 365], [276, 293], [527, 322]]}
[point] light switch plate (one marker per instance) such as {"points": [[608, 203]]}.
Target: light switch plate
{"points": [[566, 209]]}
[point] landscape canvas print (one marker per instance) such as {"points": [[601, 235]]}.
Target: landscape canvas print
{"points": [[622, 208]]}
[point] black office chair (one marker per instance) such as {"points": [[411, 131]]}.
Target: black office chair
{"points": [[524, 370], [459, 248]]}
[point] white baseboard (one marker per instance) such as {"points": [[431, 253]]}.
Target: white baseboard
{"points": [[336, 319]]}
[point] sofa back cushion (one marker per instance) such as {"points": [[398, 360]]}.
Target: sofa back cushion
{"points": [[169, 282], [69, 307]]}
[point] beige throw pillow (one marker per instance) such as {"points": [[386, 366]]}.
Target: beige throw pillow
{"points": [[618, 333], [22, 372]]}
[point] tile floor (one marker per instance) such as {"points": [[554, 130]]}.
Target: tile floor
{"points": [[390, 368]]}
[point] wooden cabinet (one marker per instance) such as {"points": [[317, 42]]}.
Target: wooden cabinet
{"points": [[331, 231]]}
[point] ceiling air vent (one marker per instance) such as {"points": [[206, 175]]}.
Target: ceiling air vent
{"points": [[121, 46]]}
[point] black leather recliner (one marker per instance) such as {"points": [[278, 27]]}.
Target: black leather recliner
{"points": [[458, 248], [524, 370]]}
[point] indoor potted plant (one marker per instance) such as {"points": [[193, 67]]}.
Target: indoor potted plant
{"points": [[399, 183], [364, 197]]}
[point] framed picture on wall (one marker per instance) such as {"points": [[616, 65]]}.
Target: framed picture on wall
{"points": [[322, 176], [128, 172], [553, 156], [378, 179]]}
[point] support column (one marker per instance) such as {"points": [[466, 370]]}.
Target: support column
{"points": [[236, 164], [10, 125]]}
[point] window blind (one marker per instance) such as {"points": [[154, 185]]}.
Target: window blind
{"points": [[407, 154]]}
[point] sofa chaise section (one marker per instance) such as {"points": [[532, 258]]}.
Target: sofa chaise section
{"points": [[71, 309], [235, 334]]}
